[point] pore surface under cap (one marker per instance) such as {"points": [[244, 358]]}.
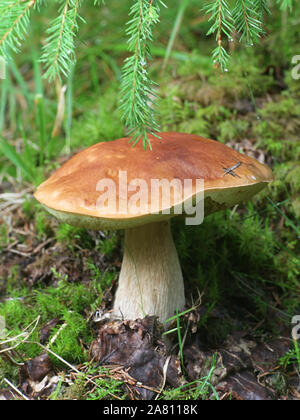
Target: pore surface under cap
{"points": [[71, 192]]}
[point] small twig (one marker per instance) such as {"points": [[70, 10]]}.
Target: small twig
{"points": [[8, 356], [41, 246], [23, 233], [165, 370], [14, 251], [13, 199], [54, 354], [24, 334], [28, 254], [9, 208], [10, 246], [16, 389]]}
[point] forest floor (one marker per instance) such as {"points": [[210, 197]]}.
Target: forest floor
{"points": [[52, 290], [241, 267]]}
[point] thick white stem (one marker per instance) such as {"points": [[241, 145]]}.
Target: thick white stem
{"points": [[150, 281]]}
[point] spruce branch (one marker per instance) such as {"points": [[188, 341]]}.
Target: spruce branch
{"points": [[59, 50], [14, 23], [248, 21], [262, 7], [245, 18], [137, 89], [222, 24]]}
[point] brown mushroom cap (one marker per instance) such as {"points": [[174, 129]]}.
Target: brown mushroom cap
{"points": [[71, 192]]}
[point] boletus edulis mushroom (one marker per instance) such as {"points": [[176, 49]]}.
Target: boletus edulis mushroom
{"points": [[111, 185]]}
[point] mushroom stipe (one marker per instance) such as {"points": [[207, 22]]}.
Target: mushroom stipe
{"points": [[150, 281]]}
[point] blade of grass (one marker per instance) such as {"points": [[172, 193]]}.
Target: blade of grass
{"points": [[41, 123], [94, 73], [180, 314], [113, 64], [179, 338], [3, 101], [12, 105], [288, 221], [170, 331], [39, 101], [69, 110], [11, 154], [55, 393], [297, 351], [176, 27], [37, 73], [155, 51], [203, 389], [29, 151], [21, 82]]}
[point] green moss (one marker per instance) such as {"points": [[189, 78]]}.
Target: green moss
{"points": [[106, 387], [29, 208], [100, 119], [42, 224], [293, 178], [8, 370], [70, 235], [108, 245], [278, 129], [69, 303], [103, 387], [233, 256], [69, 342], [292, 357], [12, 281]]}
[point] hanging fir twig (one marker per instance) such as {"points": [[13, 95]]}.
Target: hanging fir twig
{"points": [[14, 23], [245, 18], [222, 24], [137, 89], [138, 93], [59, 49], [247, 21], [262, 8]]}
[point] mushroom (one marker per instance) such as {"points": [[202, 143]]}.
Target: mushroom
{"points": [[107, 186]]}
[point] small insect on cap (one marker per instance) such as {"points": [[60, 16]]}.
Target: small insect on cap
{"points": [[72, 193]]}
